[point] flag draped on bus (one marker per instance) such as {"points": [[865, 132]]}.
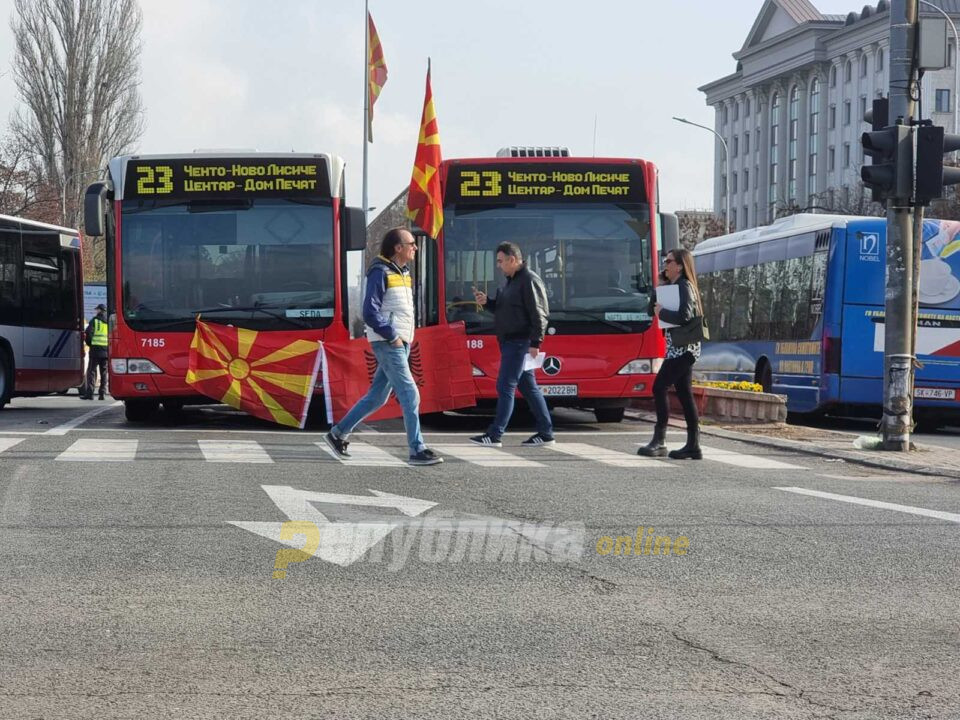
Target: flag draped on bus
{"points": [[424, 201], [270, 375], [376, 72]]}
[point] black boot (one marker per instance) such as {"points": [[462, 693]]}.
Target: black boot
{"points": [[656, 447], [690, 451]]}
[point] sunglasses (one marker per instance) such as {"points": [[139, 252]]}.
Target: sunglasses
{"points": [[669, 260]]}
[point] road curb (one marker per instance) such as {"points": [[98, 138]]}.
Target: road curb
{"points": [[885, 463]]}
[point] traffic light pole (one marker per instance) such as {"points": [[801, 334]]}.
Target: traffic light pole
{"points": [[899, 321]]}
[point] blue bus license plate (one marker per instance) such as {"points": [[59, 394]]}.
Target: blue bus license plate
{"points": [[565, 390], [935, 393]]}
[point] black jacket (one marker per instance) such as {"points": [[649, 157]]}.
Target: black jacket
{"points": [[520, 308], [688, 306]]}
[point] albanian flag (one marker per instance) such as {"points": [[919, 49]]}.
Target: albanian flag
{"points": [[270, 375], [376, 72], [424, 201]]}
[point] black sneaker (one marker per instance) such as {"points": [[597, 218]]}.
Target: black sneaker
{"points": [[337, 445], [538, 439], [425, 457], [485, 440]]}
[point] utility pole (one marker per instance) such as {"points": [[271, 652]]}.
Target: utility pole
{"points": [[899, 323]]}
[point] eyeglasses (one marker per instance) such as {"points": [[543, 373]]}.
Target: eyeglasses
{"points": [[413, 244], [669, 260]]}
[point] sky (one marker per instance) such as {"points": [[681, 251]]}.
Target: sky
{"points": [[601, 78]]}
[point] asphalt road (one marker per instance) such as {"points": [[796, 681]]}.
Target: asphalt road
{"points": [[137, 576]]}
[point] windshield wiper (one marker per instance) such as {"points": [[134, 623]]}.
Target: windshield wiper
{"points": [[594, 316], [296, 322]]}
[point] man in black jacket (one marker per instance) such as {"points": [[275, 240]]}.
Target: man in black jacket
{"points": [[520, 321]]}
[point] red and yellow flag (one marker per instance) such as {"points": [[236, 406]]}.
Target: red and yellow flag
{"points": [[270, 375], [424, 201], [376, 72]]}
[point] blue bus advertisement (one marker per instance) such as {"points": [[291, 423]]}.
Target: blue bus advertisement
{"points": [[798, 307]]}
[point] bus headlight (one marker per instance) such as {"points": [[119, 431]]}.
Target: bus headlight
{"points": [[133, 366], [641, 366]]}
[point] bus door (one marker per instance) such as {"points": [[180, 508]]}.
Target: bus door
{"points": [[426, 294], [11, 304], [41, 303], [66, 348]]}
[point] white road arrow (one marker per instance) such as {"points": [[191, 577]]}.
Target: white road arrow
{"points": [[340, 543]]}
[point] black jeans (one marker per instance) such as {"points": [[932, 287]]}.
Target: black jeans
{"points": [[676, 371], [96, 360]]}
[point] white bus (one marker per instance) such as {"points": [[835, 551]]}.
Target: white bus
{"points": [[41, 305]]}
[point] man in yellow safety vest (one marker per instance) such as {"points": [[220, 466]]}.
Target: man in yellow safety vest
{"points": [[96, 339]]}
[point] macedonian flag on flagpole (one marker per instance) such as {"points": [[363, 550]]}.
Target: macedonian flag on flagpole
{"points": [[270, 375], [424, 201]]}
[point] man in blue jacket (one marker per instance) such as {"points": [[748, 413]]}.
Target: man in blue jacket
{"points": [[389, 316]]}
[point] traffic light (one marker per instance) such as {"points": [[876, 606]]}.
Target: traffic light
{"points": [[890, 175], [932, 144], [878, 115]]}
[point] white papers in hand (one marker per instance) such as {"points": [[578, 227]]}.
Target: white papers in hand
{"points": [[530, 363], [669, 298]]}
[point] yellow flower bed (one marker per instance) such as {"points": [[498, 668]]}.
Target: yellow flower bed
{"points": [[724, 385]]}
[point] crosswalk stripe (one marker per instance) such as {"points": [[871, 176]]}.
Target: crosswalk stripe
{"points": [[100, 451], [485, 457], [607, 457], [234, 451], [364, 455], [8, 442], [754, 462]]}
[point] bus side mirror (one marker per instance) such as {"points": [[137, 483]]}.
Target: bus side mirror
{"points": [[671, 232], [354, 229], [94, 209]]}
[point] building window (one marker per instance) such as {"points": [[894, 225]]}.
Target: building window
{"points": [[863, 65], [950, 50], [832, 117], [746, 180], [847, 71], [736, 145], [879, 60], [831, 159], [723, 185], [746, 107], [942, 101], [736, 110], [846, 112], [833, 76], [846, 155], [774, 143], [746, 143], [745, 214], [733, 183], [863, 106], [814, 111], [723, 116]]}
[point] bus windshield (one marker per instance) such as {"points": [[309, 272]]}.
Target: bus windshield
{"points": [[594, 259], [227, 259]]}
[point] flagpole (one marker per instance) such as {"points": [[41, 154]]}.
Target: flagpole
{"points": [[366, 101]]}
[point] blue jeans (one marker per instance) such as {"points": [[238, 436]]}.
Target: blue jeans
{"points": [[393, 373], [512, 375]]}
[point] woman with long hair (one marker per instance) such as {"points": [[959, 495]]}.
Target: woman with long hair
{"points": [[683, 350]]}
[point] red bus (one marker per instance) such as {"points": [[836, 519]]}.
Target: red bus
{"points": [[251, 238], [589, 227], [41, 306]]}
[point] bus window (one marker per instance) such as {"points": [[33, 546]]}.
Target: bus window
{"points": [[9, 274]]}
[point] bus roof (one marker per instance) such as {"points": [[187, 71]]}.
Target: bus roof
{"points": [[548, 160], [42, 225], [784, 227], [333, 163]]}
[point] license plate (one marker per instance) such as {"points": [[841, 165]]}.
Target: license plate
{"points": [[935, 393], [565, 390]]}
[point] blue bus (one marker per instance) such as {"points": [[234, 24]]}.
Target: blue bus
{"points": [[798, 307]]}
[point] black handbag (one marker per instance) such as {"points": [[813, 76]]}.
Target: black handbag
{"points": [[692, 332]]}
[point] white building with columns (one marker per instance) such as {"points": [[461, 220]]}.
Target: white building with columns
{"points": [[792, 112]]}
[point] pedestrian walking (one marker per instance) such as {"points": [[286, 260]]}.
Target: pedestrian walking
{"points": [[95, 338], [389, 317], [683, 350], [520, 313]]}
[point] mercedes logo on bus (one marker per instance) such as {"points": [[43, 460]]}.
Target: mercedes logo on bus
{"points": [[551, 366]]}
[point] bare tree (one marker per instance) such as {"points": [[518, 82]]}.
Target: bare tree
{"points": [[77, 67]]}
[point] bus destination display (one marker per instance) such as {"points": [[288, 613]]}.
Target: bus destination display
{"points": [[185, 178], [539, 182]]}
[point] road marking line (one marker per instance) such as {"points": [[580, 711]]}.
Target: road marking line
{"points": [[7, 443], [233, 451], [364, 455], [486, 457], [938, 514], [71, 424], [607, 457], [755, 462], [100, 451]]}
